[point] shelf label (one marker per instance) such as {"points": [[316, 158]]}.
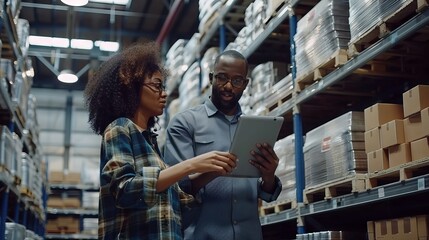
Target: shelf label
{"points": [[311, 208], [287, 215], [421, 184], [381, 193], [334, 203]]}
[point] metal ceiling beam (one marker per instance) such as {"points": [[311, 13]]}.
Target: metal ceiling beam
{"points": [[89, 10], [169, 22]]}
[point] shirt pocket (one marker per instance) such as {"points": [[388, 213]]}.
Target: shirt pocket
{"points": [[203, 144]]}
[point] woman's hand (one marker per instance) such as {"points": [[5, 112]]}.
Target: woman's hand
{"points": [[214, 161]]}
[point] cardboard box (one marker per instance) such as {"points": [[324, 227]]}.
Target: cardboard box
{"points": [[377, 160], [413, 128], [55, 202], [420, 149], [71, 202], [370, 230], [72, 177], [415, 99], [425, 121], [382, 229], [423, 226], [56, 176], [399, 154], [372, 140], [392, 133], [381, 113]]}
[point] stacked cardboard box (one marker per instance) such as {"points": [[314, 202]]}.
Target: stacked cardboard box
{"points": [[415, 227], [395, 133]]}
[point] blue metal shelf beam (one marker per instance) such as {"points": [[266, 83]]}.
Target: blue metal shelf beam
{"points": [[397, 35]]}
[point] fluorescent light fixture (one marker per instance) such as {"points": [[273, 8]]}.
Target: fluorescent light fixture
{"points": [[74, 43], [49, 41], [67, 76], [75, 3], [81, 44], [107, 46], [119, 2]]}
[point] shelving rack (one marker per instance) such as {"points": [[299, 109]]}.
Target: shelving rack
{"points": [[338, 92], [15, 206], [81, 213]]}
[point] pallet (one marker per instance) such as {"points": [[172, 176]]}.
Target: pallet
{"points": [[385, 26], [398, 173], [26, 192], [336, 60], [335, 188], [278, 207], [17, 180], [278, 102], [276, 6]]}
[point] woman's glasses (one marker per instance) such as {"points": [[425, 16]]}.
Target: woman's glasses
{"points": [[155, 87]]}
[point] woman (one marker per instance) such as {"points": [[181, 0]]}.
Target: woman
{"points": [[139, 194]]}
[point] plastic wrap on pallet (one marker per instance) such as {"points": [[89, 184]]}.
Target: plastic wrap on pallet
{"points": [[329, 151], [7, 70], [388, 7], [14, 231], [175, 64], [191, 49], [6, 148], [208, 11], [207, 63], [23, 31], [320, 33], [16, 168], [363, 16], [28, 171], [189, 88], [285, 150]]}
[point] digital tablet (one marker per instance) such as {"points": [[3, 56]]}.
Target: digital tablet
{"points": [[250, 131]]}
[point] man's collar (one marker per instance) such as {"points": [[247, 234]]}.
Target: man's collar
{"points": [[211, 109]]}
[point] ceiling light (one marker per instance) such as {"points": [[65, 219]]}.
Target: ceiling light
{"points": [[107, 46], [81, 44], [119, 2], [67, 76], [75, 3]]}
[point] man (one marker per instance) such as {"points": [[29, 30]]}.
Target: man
{"points": [[228, 207]]}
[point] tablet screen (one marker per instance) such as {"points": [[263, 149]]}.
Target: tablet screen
{"points": [[250, 131]]}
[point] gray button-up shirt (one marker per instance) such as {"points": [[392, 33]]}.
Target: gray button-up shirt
{"points": [[228, 206]]}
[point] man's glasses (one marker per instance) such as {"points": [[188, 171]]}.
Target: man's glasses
{"points": [[155, 87], [236, 82]]}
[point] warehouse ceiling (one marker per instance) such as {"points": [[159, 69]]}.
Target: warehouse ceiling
{"points": [[139, 20], [127, 24]]}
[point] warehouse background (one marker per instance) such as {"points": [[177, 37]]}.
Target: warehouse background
{"points": [[359, 97]]}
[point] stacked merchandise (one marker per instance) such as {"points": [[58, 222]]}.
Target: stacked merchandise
{"points": [[365, 15], [192, 48], [208, 13], [207, 63], [335, 149], [23, 32], [263, 77], [331, 235], [320, 34], [285, 150], [280, 90], [189, 92], [259, 16], [245, 101], [31, 120], [175, 64]]}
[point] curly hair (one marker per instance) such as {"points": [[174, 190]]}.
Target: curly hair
{"points": [[114, 90]]}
